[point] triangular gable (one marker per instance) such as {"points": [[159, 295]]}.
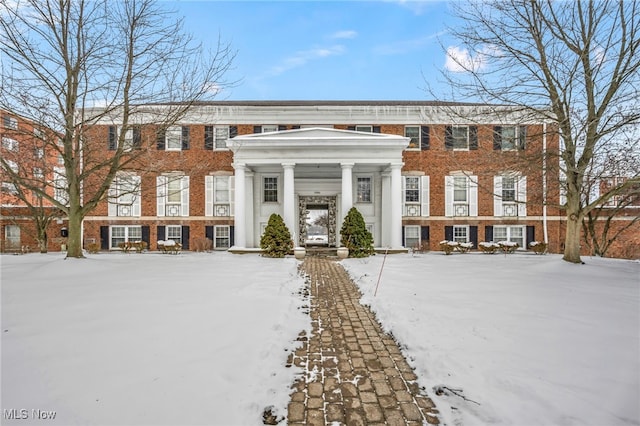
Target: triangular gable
{"points": [[316, 133]]}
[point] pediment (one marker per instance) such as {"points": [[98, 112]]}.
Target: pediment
{"points": [[317, 133]]}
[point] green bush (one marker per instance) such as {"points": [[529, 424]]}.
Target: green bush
{"points": [[276, 240], [354, 235]]}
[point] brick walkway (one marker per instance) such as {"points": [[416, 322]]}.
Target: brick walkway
{"points": [[354, 373]]}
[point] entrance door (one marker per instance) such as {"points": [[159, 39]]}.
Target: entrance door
{"points": [[317, 225]]}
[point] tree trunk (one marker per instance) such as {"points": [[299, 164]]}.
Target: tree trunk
{"points": [[572, 238], [74, 240], [43, 241]]}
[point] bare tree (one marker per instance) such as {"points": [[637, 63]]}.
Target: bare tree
{"points": [[68, 64], [574, 64]]}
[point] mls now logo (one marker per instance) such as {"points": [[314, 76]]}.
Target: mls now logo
{"points": [[23, 414]]}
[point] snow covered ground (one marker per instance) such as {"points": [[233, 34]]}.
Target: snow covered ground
{"points": [[202, 338]]}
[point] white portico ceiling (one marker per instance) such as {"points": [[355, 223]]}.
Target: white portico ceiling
{"points": [[317, 146]]}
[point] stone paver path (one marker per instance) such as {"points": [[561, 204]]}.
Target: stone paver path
{"points": [[354, 373]]}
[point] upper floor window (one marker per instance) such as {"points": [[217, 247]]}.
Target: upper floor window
{"points": [[461, 138], [415, 195], [365, 128], [38, 133], [419, 137], [13, 166], [9, 144], [173, 195], [60, 186], [510, 195], [38, 153], [38, 173], [509, 138], [124, 195], [215, 137], [363, 189], [219, 195], [270, 186], [174, 138], [10, 122], [461, 195]]}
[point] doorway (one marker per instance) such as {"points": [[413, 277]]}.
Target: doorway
{"points": [[317, 225]]}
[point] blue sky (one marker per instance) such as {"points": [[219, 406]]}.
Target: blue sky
{"points": [[326, 50]]}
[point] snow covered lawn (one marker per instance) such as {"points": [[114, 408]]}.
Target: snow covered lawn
{"points": [[202, 338], [148, 338], [532, 340]]}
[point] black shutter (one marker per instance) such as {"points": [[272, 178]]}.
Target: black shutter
{"points": [[160, 139], [137, 137], [497, 138], [473, 235], [424, 138], [295, 127], [531, 233], [208, 232], [185, 237], [282, 127], [448, 138], [233, 131], [352, 128], [208, 137], [113, 138], [376, 129], [160, 231], [522, 137], [146, 235], [104, 237], [257, 129], [473, 137], [232, 236], [488, 233], [424, 234], [185, 137], [403, 241], [448, 233]]}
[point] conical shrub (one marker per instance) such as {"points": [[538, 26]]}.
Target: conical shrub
{"points": [[355, 236], [276, 240]]}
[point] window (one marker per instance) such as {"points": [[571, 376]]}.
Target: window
{"points": [[122, 234], [124, 195], [510, 195], [12, 237], [416, 196], [219, 194], [13, 166], [461, 234], [221, 237], [460, 135], [411, 235], [9, 188], [361, 128], [174, 232], [60, 190], [514, 234], [269, 128], [419, 137], [9, 144], [38, 153], [132, 138], [461, 195], [38, 173], [10, 122], [270, 189], [38, 133], [509, 138], [461, 138], [221, 135], [172, 195], [173, 138], [363, 190]]}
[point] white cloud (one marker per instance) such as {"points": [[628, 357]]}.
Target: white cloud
{"points": [[344, 34], [460, 60], [302, 57], [405, 46]]}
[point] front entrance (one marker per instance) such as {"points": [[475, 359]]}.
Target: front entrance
{"points": [[317, 224]]}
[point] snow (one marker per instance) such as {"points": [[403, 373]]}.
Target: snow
{"points": [[203, 338]]}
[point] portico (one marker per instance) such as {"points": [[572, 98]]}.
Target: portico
{"points": [[283, 172]]}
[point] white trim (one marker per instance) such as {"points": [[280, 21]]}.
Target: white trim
{"points": [[424, 196]]}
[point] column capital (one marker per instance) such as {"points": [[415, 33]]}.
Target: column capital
{"points": [[395, 166], [239, 166], [347, 165], [288, 165]]}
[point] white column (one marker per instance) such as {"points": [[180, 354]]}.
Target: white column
{"points": [[347, 188], [395, 206], [289, 199], [250, 222], [240, 221], [385, 209]]}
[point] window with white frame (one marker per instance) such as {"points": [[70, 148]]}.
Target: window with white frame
{"points": [[508, 138], [510, 195], [38, 153], [219, 195], [413, 133], [12, 236], [415, 196], [461, 195], [133, 138], [174, 232], [221, 237], [173, 138], [60, 186], [9, 188], [38, 133], [461, 234], [221, 134], [10, 122], [173, 195], [411, 236], [364, 128], [363, 189], [9, 144], [269, 128], [123, 234], [460, 137], [124, 195], [270, 189], [13, 166], [38, 174], [514, 234]]}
